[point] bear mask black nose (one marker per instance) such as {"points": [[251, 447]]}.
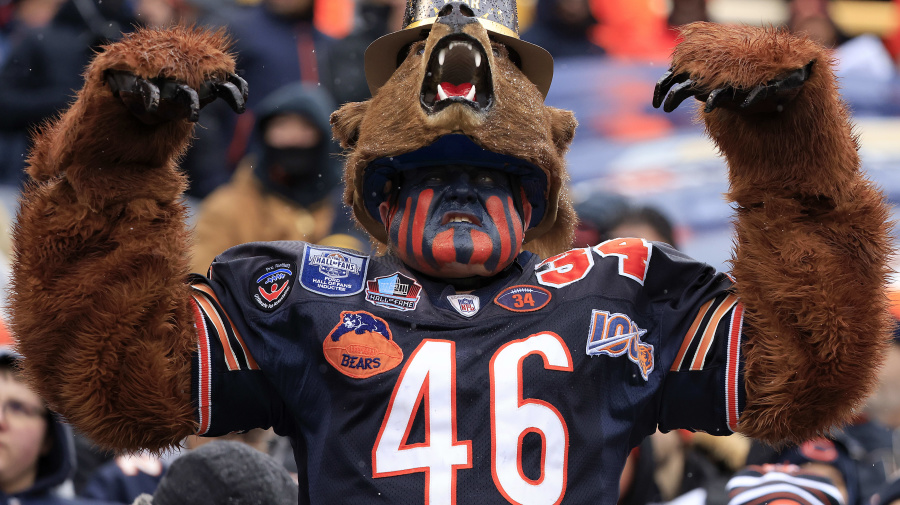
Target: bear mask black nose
{"points": [[456, 15]]}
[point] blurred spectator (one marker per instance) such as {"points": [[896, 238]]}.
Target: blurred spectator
{"points": [[290, 190], [781, 484], [42, 72], [644, 222], [642, 29], [276, 44], [812, 18], [561, 27], [224, 473], [125, 478], [824, 457], [889, 494], [18, 16], [205, 163], [603, 216], [128, 476], [669, 466], [37, 457], [687, 11], [373, 19], [597, 214]]}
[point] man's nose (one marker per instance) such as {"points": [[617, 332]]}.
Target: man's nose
{"points": [[461, 188]]}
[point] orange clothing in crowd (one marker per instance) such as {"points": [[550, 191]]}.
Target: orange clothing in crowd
{"points": [[892, 41], [633, 29]]}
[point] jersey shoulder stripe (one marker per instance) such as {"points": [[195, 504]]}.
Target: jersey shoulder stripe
{"points": [[712, 322], [219, 324]]}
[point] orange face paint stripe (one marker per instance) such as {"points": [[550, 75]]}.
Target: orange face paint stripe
{"points": [[443, 250], [251, 362], [422, 204], [481, 247]]}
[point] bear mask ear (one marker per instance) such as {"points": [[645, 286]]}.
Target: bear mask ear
{"points": [[345, 123], [562, 126]]}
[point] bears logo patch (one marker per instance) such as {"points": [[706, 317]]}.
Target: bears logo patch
{"points": [[617, 335], [272, 285], [361, 346], [333, 272], [396, 291], [523, 298]]}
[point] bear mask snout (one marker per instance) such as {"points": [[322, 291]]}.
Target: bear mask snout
{"points": [[458, 72]]}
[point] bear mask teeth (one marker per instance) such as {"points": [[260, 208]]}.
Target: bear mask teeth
{"points": [[458, 72]]}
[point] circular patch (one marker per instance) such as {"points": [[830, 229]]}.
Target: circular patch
{"points": [[272, 284], [523, 298]]}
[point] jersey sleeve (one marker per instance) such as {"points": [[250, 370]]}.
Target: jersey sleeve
{"points": [[702, 321], [229, 388]]}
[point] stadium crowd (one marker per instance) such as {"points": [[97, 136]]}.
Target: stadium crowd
{"points": [[274, 174]]}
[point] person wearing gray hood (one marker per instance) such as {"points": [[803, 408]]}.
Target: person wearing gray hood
{"points": [[288, 189]]}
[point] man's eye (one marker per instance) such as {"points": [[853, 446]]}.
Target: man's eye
{"points": [[485, 179], [421, 50], [435, 179]]}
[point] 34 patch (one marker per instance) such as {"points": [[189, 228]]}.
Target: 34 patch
{"points": [[467, 305], [396, 291], [615, 335], [272, 284], [333, 272], [361, 346], [523, 298]]}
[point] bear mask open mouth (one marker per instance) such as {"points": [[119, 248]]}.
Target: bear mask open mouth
{"points": [[458, 72]]}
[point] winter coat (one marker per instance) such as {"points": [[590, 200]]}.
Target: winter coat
{"points": [[54, 469]]}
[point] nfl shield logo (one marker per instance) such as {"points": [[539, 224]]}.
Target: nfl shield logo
{"points": [[466, 305]]}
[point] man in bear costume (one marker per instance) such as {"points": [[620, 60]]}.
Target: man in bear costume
{"points": [[476, 360]]}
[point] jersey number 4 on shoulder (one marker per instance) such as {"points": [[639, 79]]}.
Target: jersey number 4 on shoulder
{"points": [[429, 380]]}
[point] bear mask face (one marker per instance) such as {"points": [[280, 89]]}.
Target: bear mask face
{"points": [[459, 81]]}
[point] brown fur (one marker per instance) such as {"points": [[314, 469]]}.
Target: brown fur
{"points": [[101, 233], [100, 306], [519, 124], [812, 240]]}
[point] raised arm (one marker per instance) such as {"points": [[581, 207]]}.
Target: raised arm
{"points": [[812, 242], [99, 301]]}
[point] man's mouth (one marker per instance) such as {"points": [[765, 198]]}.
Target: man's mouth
{"points": [[458, 72], [460, 217]]}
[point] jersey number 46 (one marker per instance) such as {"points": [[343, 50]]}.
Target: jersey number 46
{"points": [[429, 381]]}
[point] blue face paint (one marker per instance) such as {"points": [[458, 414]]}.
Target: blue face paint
{"points": [[455, 221]]}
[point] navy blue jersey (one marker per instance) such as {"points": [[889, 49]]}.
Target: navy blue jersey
{"points": [[533, 389]]}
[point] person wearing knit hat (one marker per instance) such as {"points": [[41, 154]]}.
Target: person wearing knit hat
{"points": [[224, 473]]}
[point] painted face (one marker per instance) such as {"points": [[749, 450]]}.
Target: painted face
{"points": [[456, 221], [22, 435]]}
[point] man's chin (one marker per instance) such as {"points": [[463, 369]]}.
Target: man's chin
{"points": [[461, 271]]}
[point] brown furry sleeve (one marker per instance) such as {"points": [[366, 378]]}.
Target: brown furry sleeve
{"points": [[812, 241], [99, 305]]}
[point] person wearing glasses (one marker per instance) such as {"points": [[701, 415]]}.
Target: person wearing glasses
{"points": [[36, 451]]}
